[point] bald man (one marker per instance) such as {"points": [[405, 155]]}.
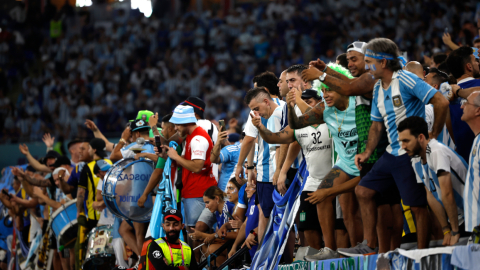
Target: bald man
{"points": [[416, 68]]}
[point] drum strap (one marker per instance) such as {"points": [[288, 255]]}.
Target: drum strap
{"points": [[94, 193]]}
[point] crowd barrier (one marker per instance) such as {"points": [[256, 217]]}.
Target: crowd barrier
{"points": [[443, 258]]}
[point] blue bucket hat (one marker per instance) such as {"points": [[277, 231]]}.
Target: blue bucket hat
{"points": [[183, 115]]}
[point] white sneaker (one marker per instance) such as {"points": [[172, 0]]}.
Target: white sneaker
{"points": [[324, 254]]}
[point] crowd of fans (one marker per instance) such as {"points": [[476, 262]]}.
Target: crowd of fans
{"points": [[376, 138], [107, 71]]}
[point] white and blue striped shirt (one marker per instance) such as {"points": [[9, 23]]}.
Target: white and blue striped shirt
{"points": [[405, 97], [266, 165], [472, 188], [442, 158], [444, 136]]}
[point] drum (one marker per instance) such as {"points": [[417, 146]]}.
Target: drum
{"points": [[124, 184], [100, 253], [64, 224]]}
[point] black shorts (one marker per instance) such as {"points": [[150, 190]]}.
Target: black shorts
{"points": [[393, 196], [397, 171], [264, 197], [308, 215]]}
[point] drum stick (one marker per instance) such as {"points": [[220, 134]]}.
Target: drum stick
{"points": [[199, 246]]}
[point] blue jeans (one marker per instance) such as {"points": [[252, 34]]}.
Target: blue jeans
{"points": [[193, 209]]}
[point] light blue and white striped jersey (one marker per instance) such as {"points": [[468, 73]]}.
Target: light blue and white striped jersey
{"points": [[442, 158], [228, 158], [405, 97], [472, 188], [347, 139], [266, 153], [444, 136]]}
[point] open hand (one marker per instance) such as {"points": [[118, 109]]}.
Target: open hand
{"points": [[48, 140], [317, 196]]}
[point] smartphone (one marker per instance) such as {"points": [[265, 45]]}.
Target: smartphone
{"points": [[6, 193], [222, 125], [446, 30], [158, 143], [229, 216]]}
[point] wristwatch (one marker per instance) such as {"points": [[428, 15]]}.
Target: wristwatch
{"points": [[216, 235], [123, 141], [322, 77]]}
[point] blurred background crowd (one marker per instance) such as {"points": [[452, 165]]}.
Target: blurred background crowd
{"points": [[60, 67]]}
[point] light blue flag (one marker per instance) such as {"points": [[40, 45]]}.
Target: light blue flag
{"points": [[281, 221], [164, 201]]}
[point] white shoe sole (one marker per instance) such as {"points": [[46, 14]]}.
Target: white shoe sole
{"points": [[355, 254]]}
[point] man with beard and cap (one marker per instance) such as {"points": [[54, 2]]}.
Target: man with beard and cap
{"points": [[197, 175], [442, 171], [169, 252], [87, 186]]}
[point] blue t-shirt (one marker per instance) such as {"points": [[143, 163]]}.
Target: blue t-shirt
{"points": [[228, 158], [406, 96], [252, 221], [346, 139], [462, 133], [241, 197], [223, 218]]}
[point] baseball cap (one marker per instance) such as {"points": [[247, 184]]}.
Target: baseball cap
{"points": [[197, 104], [62, 160], [173, 214], [310, 93], [101, 165], [138, 124], [233, 137], [357, 46], [145, 115], [183, 115], [99, 145]]}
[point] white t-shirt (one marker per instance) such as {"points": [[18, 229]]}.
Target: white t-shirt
{"points": [[266, 163], [316, 144], [199, 147], [106, 217], [207, 126], [442, 158], [444, 137]]}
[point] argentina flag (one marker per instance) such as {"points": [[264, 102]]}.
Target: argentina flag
{"points": [[281, 221]]}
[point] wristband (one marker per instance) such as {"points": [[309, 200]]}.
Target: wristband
{"points": [[445, 232], [458, 90], [325, 68], [254, 233], [250, 167], [123, 141], [454, 233]]}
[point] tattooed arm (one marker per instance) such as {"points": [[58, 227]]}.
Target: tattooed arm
{"points": [[281, 137], [37, 182], [310, 117], [342, 84]]}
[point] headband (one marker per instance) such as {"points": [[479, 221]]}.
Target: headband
{"points": [[377, 55]]}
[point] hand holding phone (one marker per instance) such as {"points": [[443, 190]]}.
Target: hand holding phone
{"points": [[6, 193], [222, 125]]}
